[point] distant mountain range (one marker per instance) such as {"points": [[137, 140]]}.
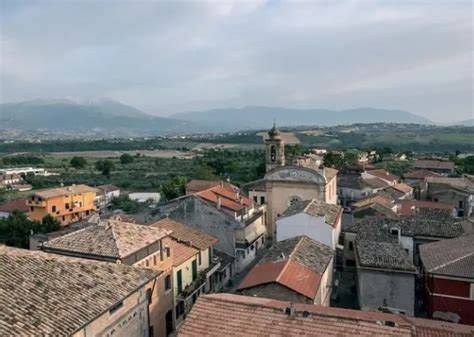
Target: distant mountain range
{"points": [[112, 118], [255, 117], [104, 115]]}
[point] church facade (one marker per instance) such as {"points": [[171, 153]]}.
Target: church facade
{"points": [[285, 185]]}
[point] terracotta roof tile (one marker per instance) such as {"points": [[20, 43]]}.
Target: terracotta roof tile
{"points": [[182, 232], [180, 252], [234, 315], [230, 198], [112, 239], [409, 207], [196, 185], [46, 294], [421, 174], [402, 187], [316, 208], [17, 204], [434, 164], [383, 174]]}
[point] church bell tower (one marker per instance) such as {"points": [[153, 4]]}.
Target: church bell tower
{"points": [[275, 149]]}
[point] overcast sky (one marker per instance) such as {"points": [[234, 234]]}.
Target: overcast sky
{"points": [[171, 56]]}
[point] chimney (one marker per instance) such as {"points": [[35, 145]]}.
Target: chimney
{"points": [[219, 202]]}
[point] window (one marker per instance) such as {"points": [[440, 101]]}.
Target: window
{"points": [[179, 281], [66, 205], [147, 263], [194, 269], [461, 204], [294, 201], [272, 154], [154, 260], [53, 209], [168, 251], [435, 199], [262, 200], [168, 282], [472, 291], [252, 247], [179, 309], [115, 308], [31, 208], [351, 246], [255, 198], [200, 258], [64, 218]]}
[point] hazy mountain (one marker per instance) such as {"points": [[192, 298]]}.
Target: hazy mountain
{"points": [[104, 115], [467, 122], [254, 117]]}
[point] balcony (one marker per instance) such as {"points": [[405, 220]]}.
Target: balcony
{"points": [[35, 203]]}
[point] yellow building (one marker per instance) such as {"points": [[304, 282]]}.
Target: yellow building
{"points": [[65, 204]]}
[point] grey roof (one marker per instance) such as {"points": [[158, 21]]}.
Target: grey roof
{"points": [[308, 252], [315, 208], [392, 193], [113, 239], [465, 184], [257, 185], [420, 225], [453, 257], [108, 188], [384, 255], [43, 294]]}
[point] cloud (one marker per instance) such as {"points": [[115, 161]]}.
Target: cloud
{"points": [[170, 56]]}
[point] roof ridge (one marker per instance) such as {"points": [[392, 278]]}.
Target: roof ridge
{"points": [[453, 261], [290, 258], [114, 237]]}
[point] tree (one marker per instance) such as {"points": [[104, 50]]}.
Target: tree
{"points": [[78, 162], [333, 159], [126, 204], [174, 188], [351, 158], [126, 158], [204, 172], [105, 167], [16, 229]]}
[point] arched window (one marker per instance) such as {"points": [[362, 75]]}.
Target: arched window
{"points": [[273, 153]]}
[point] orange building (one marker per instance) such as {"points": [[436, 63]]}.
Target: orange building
{"points": [[65, 204]]}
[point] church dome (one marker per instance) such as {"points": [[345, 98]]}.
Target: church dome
{"points": [[274, 132]]}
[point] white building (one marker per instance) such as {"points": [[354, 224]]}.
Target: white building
{"points": [[316, 219]]}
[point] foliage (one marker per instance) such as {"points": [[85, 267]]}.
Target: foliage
{"points": [[204, 172], [78, 162], [465, 165], [351, 158], [16, 229], [126, 158], [174, 188], [333, 159], [105, 167], [22, 160], [126, 204]]}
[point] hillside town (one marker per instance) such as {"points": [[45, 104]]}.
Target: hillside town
{"points": [[306, 249]]}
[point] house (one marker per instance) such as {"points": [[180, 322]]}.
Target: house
{"points": [[285, 184], [426, 226], [126, 244], [10, 179], [37, 171], [381, 174], [412, 206], [313, 218], [234, 315], [222, 212], [458, 192], [197, 251], [142, 197], [196, 185], [448, 269], [404, 188], [414, 178], [352, 187], [433, 165], [104, 196], [378, 205], [298, 270], [51, 295], [9, 206], [65, 204]]}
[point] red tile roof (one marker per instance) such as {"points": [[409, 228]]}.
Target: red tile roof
{"points": [[196, 185], [234, 315], [17, 204], [383, 174], [180, 252], [230, 198], [373, 199], [434, 164], [182, 232], [402, 187], [408, 207], [421, 174]]}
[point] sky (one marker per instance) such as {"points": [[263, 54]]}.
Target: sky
{"points": [[169, 56]]}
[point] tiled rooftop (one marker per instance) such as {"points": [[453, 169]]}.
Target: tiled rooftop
{"points": [[453, 257], [185, 233], [374, 199], [46, 294], [384, 255], [420, 174], [196, 185], [73, 189], [234, 315], [297, 263], [383, 174], [17, 204], [433, 164], [180, 252], [111, 239], [462, 183], [315, 208], [410, 207], [229, 197]]}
